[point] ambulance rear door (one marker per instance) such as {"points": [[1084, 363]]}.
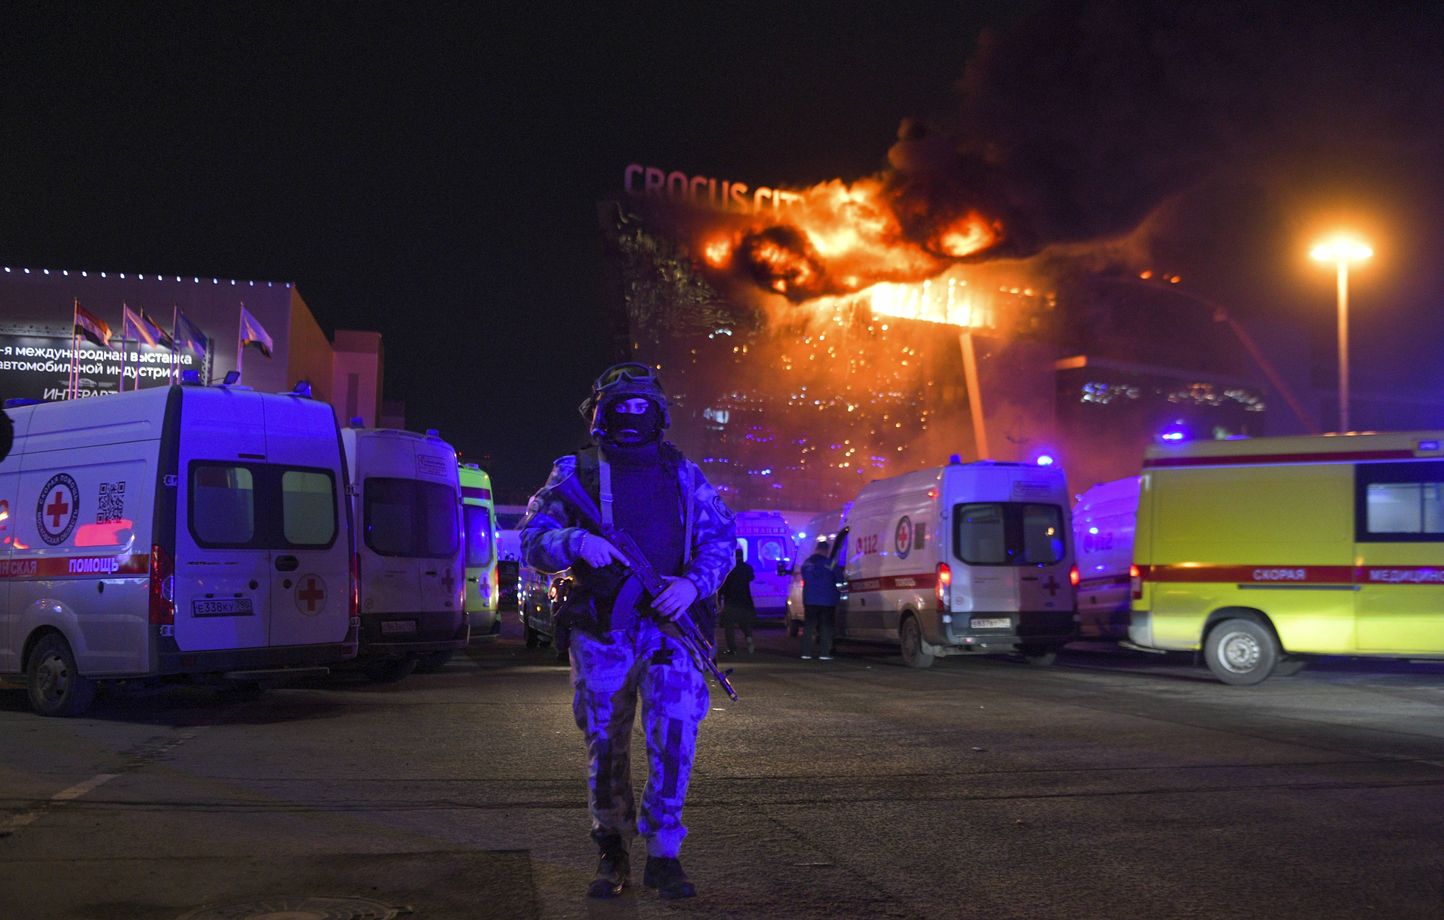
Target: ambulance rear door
{"points": [[222, 563], [310, 552]]}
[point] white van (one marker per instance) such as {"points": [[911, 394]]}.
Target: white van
{"points": [[826, 525], [406, 495], [180, 531], [968, 557], [1104, 519], [766, 544]]}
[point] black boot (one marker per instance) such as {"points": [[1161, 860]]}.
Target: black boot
{"points": [[613, 869], [665, 873]]}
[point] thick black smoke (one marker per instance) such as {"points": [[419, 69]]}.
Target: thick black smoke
{"points": [[1077, 123]]}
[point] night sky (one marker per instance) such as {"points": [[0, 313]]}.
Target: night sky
{"points": [[434, 175]]}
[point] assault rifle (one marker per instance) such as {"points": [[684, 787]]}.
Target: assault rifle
{"points": [[683, 628]]}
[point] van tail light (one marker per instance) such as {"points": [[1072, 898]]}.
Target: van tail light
{"points": [[944, 587], [355, 585], [1073, 577], [162, 587], [1135, 582], [493, 587]]}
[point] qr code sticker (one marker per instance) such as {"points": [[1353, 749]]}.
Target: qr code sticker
{"points": [[111, 507]]}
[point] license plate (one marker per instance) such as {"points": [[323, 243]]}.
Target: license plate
{"points": [[991, 622], [227, 607], [398, 627]]}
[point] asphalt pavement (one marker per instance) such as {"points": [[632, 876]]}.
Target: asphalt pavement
{"points": [[1114, 784]]}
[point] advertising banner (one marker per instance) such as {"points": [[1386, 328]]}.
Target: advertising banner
{"points": [[38, 367]]}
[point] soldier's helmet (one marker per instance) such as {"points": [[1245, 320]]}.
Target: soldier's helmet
{"points": [[628, 380]]}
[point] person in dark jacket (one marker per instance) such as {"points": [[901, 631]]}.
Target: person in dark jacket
{"points": [[738, 608], [820, 595], [620, 646]]}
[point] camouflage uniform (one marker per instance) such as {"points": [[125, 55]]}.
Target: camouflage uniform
{"points": [[609, 667]]}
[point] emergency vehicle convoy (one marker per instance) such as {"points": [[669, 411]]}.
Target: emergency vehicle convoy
{"points": [[968, 557], [1103, 521], [766, 544], [1259, 551], [406, 500], [479, 536], [173, 532]]}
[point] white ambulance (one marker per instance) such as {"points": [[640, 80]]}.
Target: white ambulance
{"points": [[766, 544], [406, 500], [1104, 519], [180, 531], [968, 557]]}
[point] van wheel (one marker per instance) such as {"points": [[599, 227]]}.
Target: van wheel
{"points": [[1241, 652], [1040, 656], [914, 650], [434, 661], [389, 670], [54, 683]]}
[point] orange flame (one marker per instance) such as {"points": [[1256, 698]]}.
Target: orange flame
{"points": [[843, 239]]}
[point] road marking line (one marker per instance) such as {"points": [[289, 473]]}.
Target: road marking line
{"points": [[79, 789], [65, 795]]}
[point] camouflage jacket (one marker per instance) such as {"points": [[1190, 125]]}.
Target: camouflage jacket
{"points": [[550, 536]]}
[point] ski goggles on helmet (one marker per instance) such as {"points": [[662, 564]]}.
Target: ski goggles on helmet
{"points": [[624, 372]]}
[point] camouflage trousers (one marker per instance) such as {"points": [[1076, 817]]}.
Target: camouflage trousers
{"points": [[607, 678]]}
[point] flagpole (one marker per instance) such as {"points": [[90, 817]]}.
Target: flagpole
{"points": [[120, 381], [72, 383], [174, 357], [240, 341]]}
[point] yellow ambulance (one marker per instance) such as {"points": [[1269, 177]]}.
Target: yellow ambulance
{"points": [[1261, 551], [479, 529]]}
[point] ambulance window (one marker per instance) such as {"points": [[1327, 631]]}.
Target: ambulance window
{"points": [[308, 507], [981, 537], [222, 504], [1400, 502], [1042, 534], [770, 550], [410, 517], [478, 536], [1405, 507]]}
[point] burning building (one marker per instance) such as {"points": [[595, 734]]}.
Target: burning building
{"points": [[813, 341]]}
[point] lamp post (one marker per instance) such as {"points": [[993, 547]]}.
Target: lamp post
{"points": [[1342, 250]]}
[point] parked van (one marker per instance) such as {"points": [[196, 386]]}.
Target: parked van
{"points": [[1103, 521], [479, 536], [1264, 550], [827, 526], [968, 557], [406, 495], [173, 532], [766, 544]]}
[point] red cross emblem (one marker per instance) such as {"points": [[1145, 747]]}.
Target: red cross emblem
{"points": [[57, 509], [1051, 585], [310, 595]]}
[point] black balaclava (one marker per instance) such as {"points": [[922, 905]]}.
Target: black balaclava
{"points": [[628, 430]]}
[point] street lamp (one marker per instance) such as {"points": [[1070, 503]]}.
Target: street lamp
{"points": [[1341, 250]]}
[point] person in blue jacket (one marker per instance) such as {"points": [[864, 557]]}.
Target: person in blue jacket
{"points": [[619, 652], [820, 595]]}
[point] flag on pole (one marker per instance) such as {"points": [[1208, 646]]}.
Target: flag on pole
{"points": [[142, 329], [163, 339], [253, 333], [91, 327], [189, 336]]}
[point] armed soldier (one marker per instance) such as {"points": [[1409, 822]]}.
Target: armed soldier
{"points": [[621, 644]]}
